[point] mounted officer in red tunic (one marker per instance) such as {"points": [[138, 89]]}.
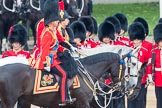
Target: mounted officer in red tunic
{"points": [[51, 52]]}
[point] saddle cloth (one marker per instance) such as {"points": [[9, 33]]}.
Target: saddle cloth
{"points": [[46, 82]]}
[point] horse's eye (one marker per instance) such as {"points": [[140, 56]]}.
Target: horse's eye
{"points": [[133, 64]]}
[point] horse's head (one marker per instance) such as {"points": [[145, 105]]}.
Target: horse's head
{"points": [[132, 71], [72, 8]]}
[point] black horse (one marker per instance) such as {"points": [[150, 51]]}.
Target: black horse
{"points": [[7, 10], [18, 83]]}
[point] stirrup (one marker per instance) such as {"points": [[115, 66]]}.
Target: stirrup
{"points": [[62, 104], [71, 100]]}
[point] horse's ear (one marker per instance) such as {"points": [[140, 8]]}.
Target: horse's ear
{"points": [[135, 50]]}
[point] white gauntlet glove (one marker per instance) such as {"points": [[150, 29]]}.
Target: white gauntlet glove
{"points": [[73, 49], [150, 78], [47, 68]]}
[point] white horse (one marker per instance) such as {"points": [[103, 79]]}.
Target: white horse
{"points": [[131, 63]]}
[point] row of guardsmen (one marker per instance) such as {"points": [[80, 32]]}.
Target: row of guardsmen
{"points": [[55, 33]]}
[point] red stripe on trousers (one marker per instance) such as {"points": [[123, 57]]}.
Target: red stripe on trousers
{"points": [[63, 82]]}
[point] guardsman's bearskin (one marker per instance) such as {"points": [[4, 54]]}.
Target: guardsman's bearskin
{"points": [[115, 22], [145, 24], [94, 24], [160, 20], [50, 11], [79, 30], [158, 32], [136, 31], [88, 22], [123, 21], [106, 29], [18, 33]]}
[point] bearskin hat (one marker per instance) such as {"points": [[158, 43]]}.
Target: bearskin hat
{"points": [[136, 31], [18, 33], [115, 22], [160, 20], [144, 23], [79, 30], [94, 24], [123, 21], [50, 11], [88, 22], [157, 32], [106, 29]]}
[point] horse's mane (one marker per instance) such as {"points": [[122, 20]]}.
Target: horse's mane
{"points": [[93, 59], [106, 48]]}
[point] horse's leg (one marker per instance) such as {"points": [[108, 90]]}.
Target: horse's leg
{"points": [[22, 104], [7, 100]]}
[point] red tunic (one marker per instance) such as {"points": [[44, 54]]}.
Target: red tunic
{"points": [[158, 66], [21, 53], [90, 43], [48, 45], [125, 40], [143, 55]]}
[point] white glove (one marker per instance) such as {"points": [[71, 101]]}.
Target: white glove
{"points": [[150, 78], [47, 68], [74, 49]]}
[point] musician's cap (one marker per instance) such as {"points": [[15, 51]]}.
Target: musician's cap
{"points": [[144, 23], [157, 32], [88, 22], [79, 30], [50, 11], [18, 33], [123, 21], [115, 22], [136, 31], [106, 29]]}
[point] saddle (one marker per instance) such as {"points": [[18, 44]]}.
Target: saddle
{"points": [[46, 82]]}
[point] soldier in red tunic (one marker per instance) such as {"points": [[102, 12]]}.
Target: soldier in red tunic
{"points": [[49, 48], [79, 31], [17, 38], [155, 64], [124, 26], [136, 33], [90, 30], [117, 26], [106, 33]]}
